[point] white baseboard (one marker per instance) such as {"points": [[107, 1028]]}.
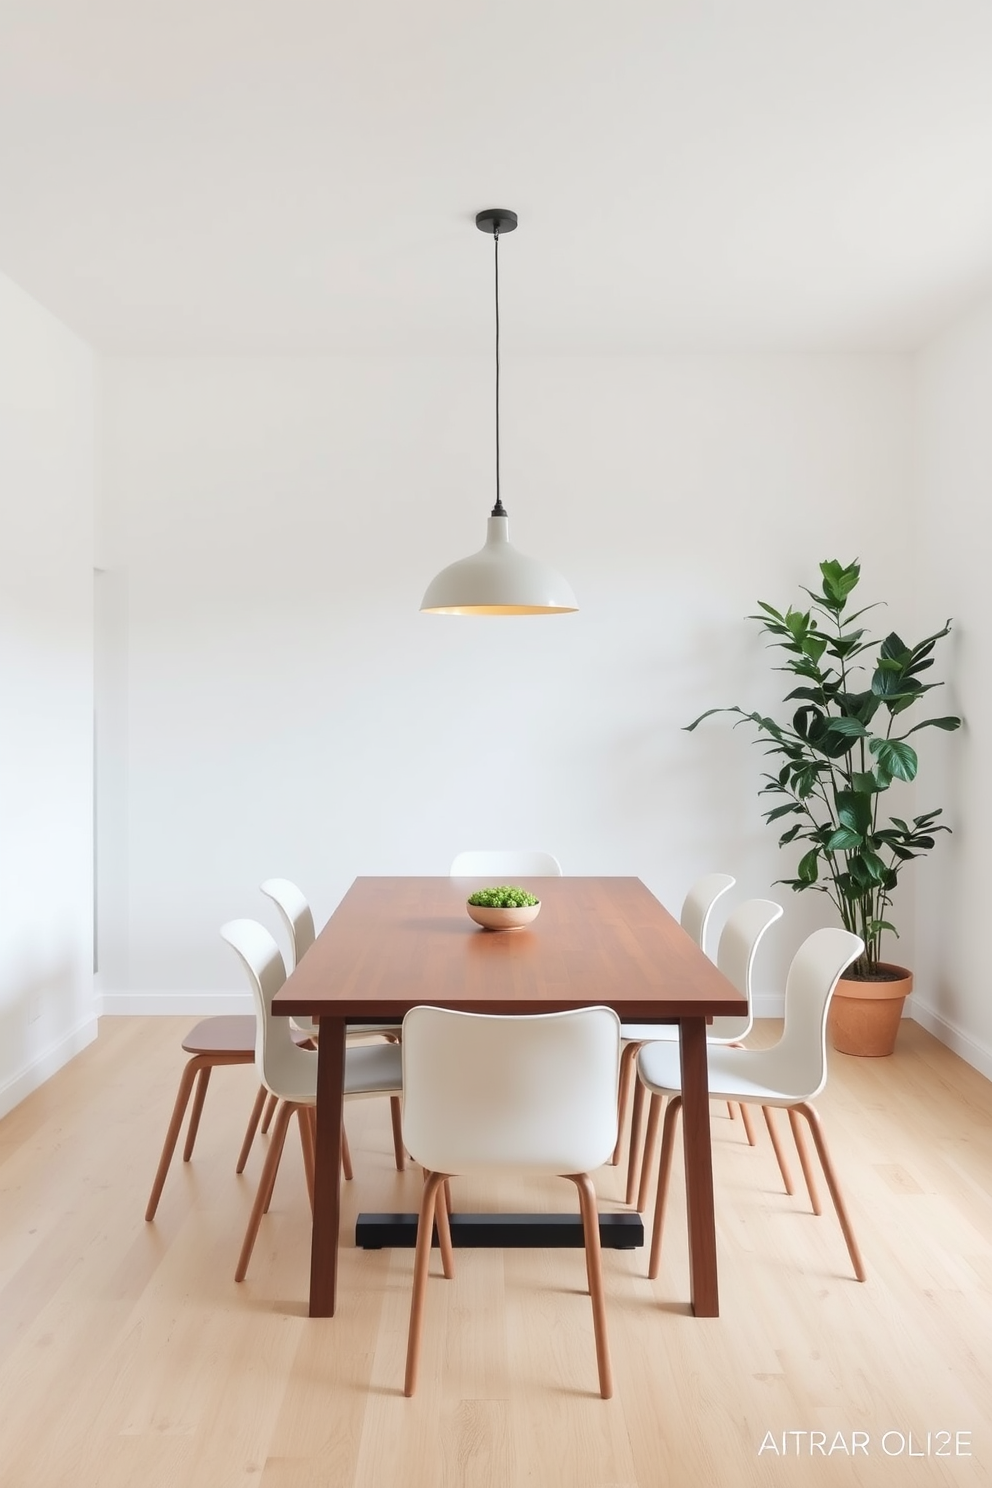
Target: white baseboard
{"points": [[176, 1004], [209, 1004], [970, 1049], [46, 1064]]}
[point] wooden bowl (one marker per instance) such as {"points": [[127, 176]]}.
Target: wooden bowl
{"points": [[511, 918]]}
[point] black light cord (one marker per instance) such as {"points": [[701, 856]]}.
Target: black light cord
{"points": [[498, 510]]}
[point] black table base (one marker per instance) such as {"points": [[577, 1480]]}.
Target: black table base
{"points": [[616, 1231]]}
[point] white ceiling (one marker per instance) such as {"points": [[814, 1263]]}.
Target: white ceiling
{"points": [[302, 175]]}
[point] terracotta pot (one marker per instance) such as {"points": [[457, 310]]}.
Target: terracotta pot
{"points": [[864, 1016]]}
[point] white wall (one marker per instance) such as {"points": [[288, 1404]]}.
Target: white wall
{"points": [[290, 712], [47, 444], [955, 424]]}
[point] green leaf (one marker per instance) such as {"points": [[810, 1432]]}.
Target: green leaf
{"points": [[814, 647], [708, 714], [904, 700], [807, 869], [864, 782], [844, 646], [948, 724], [804, 780], [894, 756], [895, 649], [838, 582], [924, 647], [849, 728], [853, 810], [806, 694], [789, 810], [861, 705], [874, 866], [844, 839], [863, 877], [889, 682]]}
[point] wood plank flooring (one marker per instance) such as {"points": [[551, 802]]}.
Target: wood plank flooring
{"points": [[129, 1358]]}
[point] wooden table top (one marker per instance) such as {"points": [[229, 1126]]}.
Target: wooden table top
{"points": [[395, 942]]}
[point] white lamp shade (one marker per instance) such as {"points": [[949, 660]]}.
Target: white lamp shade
{"points": [[497, 580]]}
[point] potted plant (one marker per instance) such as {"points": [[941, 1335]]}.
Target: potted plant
{"points": [[503, 907], [844, 746]]}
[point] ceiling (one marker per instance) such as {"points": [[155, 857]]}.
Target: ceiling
{"points": [[295, 176]]}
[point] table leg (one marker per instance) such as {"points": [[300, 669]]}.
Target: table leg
{"points": [[698, 1168], [327, 1177]]}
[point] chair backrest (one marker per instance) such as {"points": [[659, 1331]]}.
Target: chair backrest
{"points": [[296, 914], [297, 917], [739, 942], [800, 1056], [534, 1092], [497, 861], [699, 903], [277, 1059]]}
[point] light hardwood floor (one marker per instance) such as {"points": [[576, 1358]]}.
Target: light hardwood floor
{"points": [[130, 1359]]}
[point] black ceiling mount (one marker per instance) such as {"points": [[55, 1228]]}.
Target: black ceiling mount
{"points": [[496, 220]]}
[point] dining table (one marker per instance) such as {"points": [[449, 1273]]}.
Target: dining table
{"points": [[396, 942]]}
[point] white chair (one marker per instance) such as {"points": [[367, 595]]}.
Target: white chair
{"points": [[534, 864], [739, 941], [790, 1074], [297, 918], [697, 911], [487, 1094], [699, 904], [289, 1072]]}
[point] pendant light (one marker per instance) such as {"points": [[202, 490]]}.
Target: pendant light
{"points": [[497, 580]]}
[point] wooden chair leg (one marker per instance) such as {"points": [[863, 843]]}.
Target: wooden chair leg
{"points": [[835, 1193], [192, 1068], [783, 1166], [442, 1221], [740, 1104], [265, 1186], [346, 1167], [421, 1264], [636, 1151], [804, 1162], [748, 1124], [304, 1116], [664, 1174], [396, 1117], [650, 1139], [628, 1060], [442, 1218], [203, 1080], [252, 1127], [594, 1273], [269, 1113], [279, 1141]]}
